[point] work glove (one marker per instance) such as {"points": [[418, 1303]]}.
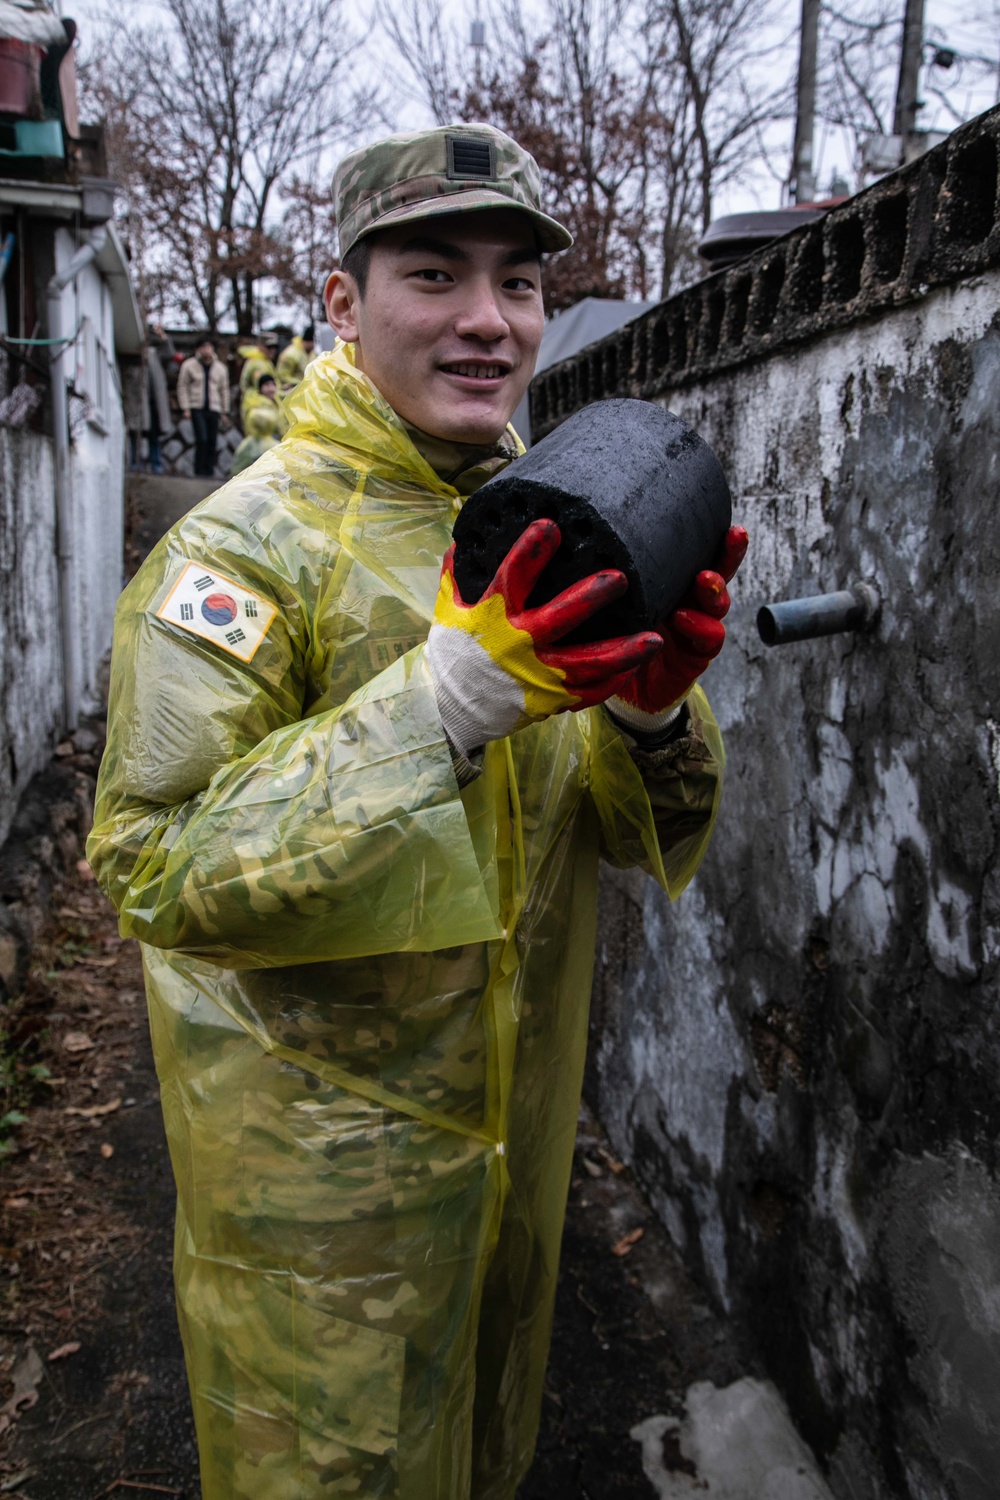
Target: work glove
{"points": [[497, 665], [693, 635]]}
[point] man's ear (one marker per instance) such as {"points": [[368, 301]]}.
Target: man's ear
{"points": [[341, 298]]}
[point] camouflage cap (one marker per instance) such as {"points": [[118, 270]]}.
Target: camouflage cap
{"points": [[454, 169]]}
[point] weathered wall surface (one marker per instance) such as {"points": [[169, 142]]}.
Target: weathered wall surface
{"points": [[801, 1058], [98, 463], [30, 672], [31, 648]]}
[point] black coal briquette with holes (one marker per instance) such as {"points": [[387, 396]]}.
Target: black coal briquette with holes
{"points": [[631, 486]]}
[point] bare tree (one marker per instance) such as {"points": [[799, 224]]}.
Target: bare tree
{"points": [[305, 242], [432, 53], [564, 84], [213, 112], [859, 68], [637, 111], [860, 62], [720, 59]]}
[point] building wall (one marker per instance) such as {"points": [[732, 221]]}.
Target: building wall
{"points": [[98, 436], [31, 671], [800, 1058], [98, 483]]}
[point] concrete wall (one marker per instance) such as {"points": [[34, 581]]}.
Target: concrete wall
{"points": [[30, 643], [801, 1058], [98, 490], [30, 674]]}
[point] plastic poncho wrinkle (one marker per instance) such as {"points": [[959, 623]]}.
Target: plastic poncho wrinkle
{"points": [[367, 987]]}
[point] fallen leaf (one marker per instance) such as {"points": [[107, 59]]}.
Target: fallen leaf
{"points": [[64, 1351], [65, 749], [77, 1041], [107, 1151], [17, 1203], [611, 1162], [626, 1242], [96, 963], [26, 1378], [592, 1168], [15, 1481], [84, 871], [94, 1110]]}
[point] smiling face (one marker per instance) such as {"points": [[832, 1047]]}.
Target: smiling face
{"points": [[450, 321]]}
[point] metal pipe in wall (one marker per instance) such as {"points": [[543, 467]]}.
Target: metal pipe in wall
{"points": [[822, 614], [65, 519]]}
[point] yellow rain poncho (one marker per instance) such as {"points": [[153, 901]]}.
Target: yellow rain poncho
{"points": [[368, 988], [261, 426], [252, 401], [293, 361], [255, 364]]}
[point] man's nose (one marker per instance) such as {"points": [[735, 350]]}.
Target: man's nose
{"points": [[480, 316]]}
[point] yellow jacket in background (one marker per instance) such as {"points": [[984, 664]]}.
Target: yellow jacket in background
{"points": [[253, 401], [255, 364], [368, 988], [293, 361]]}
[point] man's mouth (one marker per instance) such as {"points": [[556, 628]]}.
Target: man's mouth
{"points": [[479, 370]]}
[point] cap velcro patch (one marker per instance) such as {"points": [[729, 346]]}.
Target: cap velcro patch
{"points": [[470, 156]]}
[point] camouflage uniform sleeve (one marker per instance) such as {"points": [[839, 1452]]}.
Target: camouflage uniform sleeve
{"points": [[229, 825], [658, 808]]}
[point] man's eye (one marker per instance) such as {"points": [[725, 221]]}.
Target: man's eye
{"points": [[519, 284], [428, 273]]}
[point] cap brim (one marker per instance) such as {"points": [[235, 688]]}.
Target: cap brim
{"points": [[552, 235]]}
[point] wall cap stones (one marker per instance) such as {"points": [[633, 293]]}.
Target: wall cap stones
{"points": [[930, 224]]}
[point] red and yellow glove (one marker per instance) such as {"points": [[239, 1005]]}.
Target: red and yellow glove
{"points": [[692, 637], [497, 665]]}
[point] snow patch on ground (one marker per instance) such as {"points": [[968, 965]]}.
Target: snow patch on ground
{"points": [[734, 1444]]}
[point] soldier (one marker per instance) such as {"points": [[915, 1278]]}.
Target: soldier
{"points": [[355, 822], [258, 359], [261, 428], [295, 359], [263, 396]]}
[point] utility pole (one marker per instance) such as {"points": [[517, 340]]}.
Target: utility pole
{"points": [[477, 41], [904, 121], [803, 183]]}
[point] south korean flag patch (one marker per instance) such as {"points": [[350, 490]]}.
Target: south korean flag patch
{"points": [[211, 605]]}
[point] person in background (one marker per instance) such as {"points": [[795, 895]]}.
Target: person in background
{"points": [[263, 395], [203, 396], [258, 359], [260, 427], [296, 358], [146, 399], [159, 354], [133, 385]]}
